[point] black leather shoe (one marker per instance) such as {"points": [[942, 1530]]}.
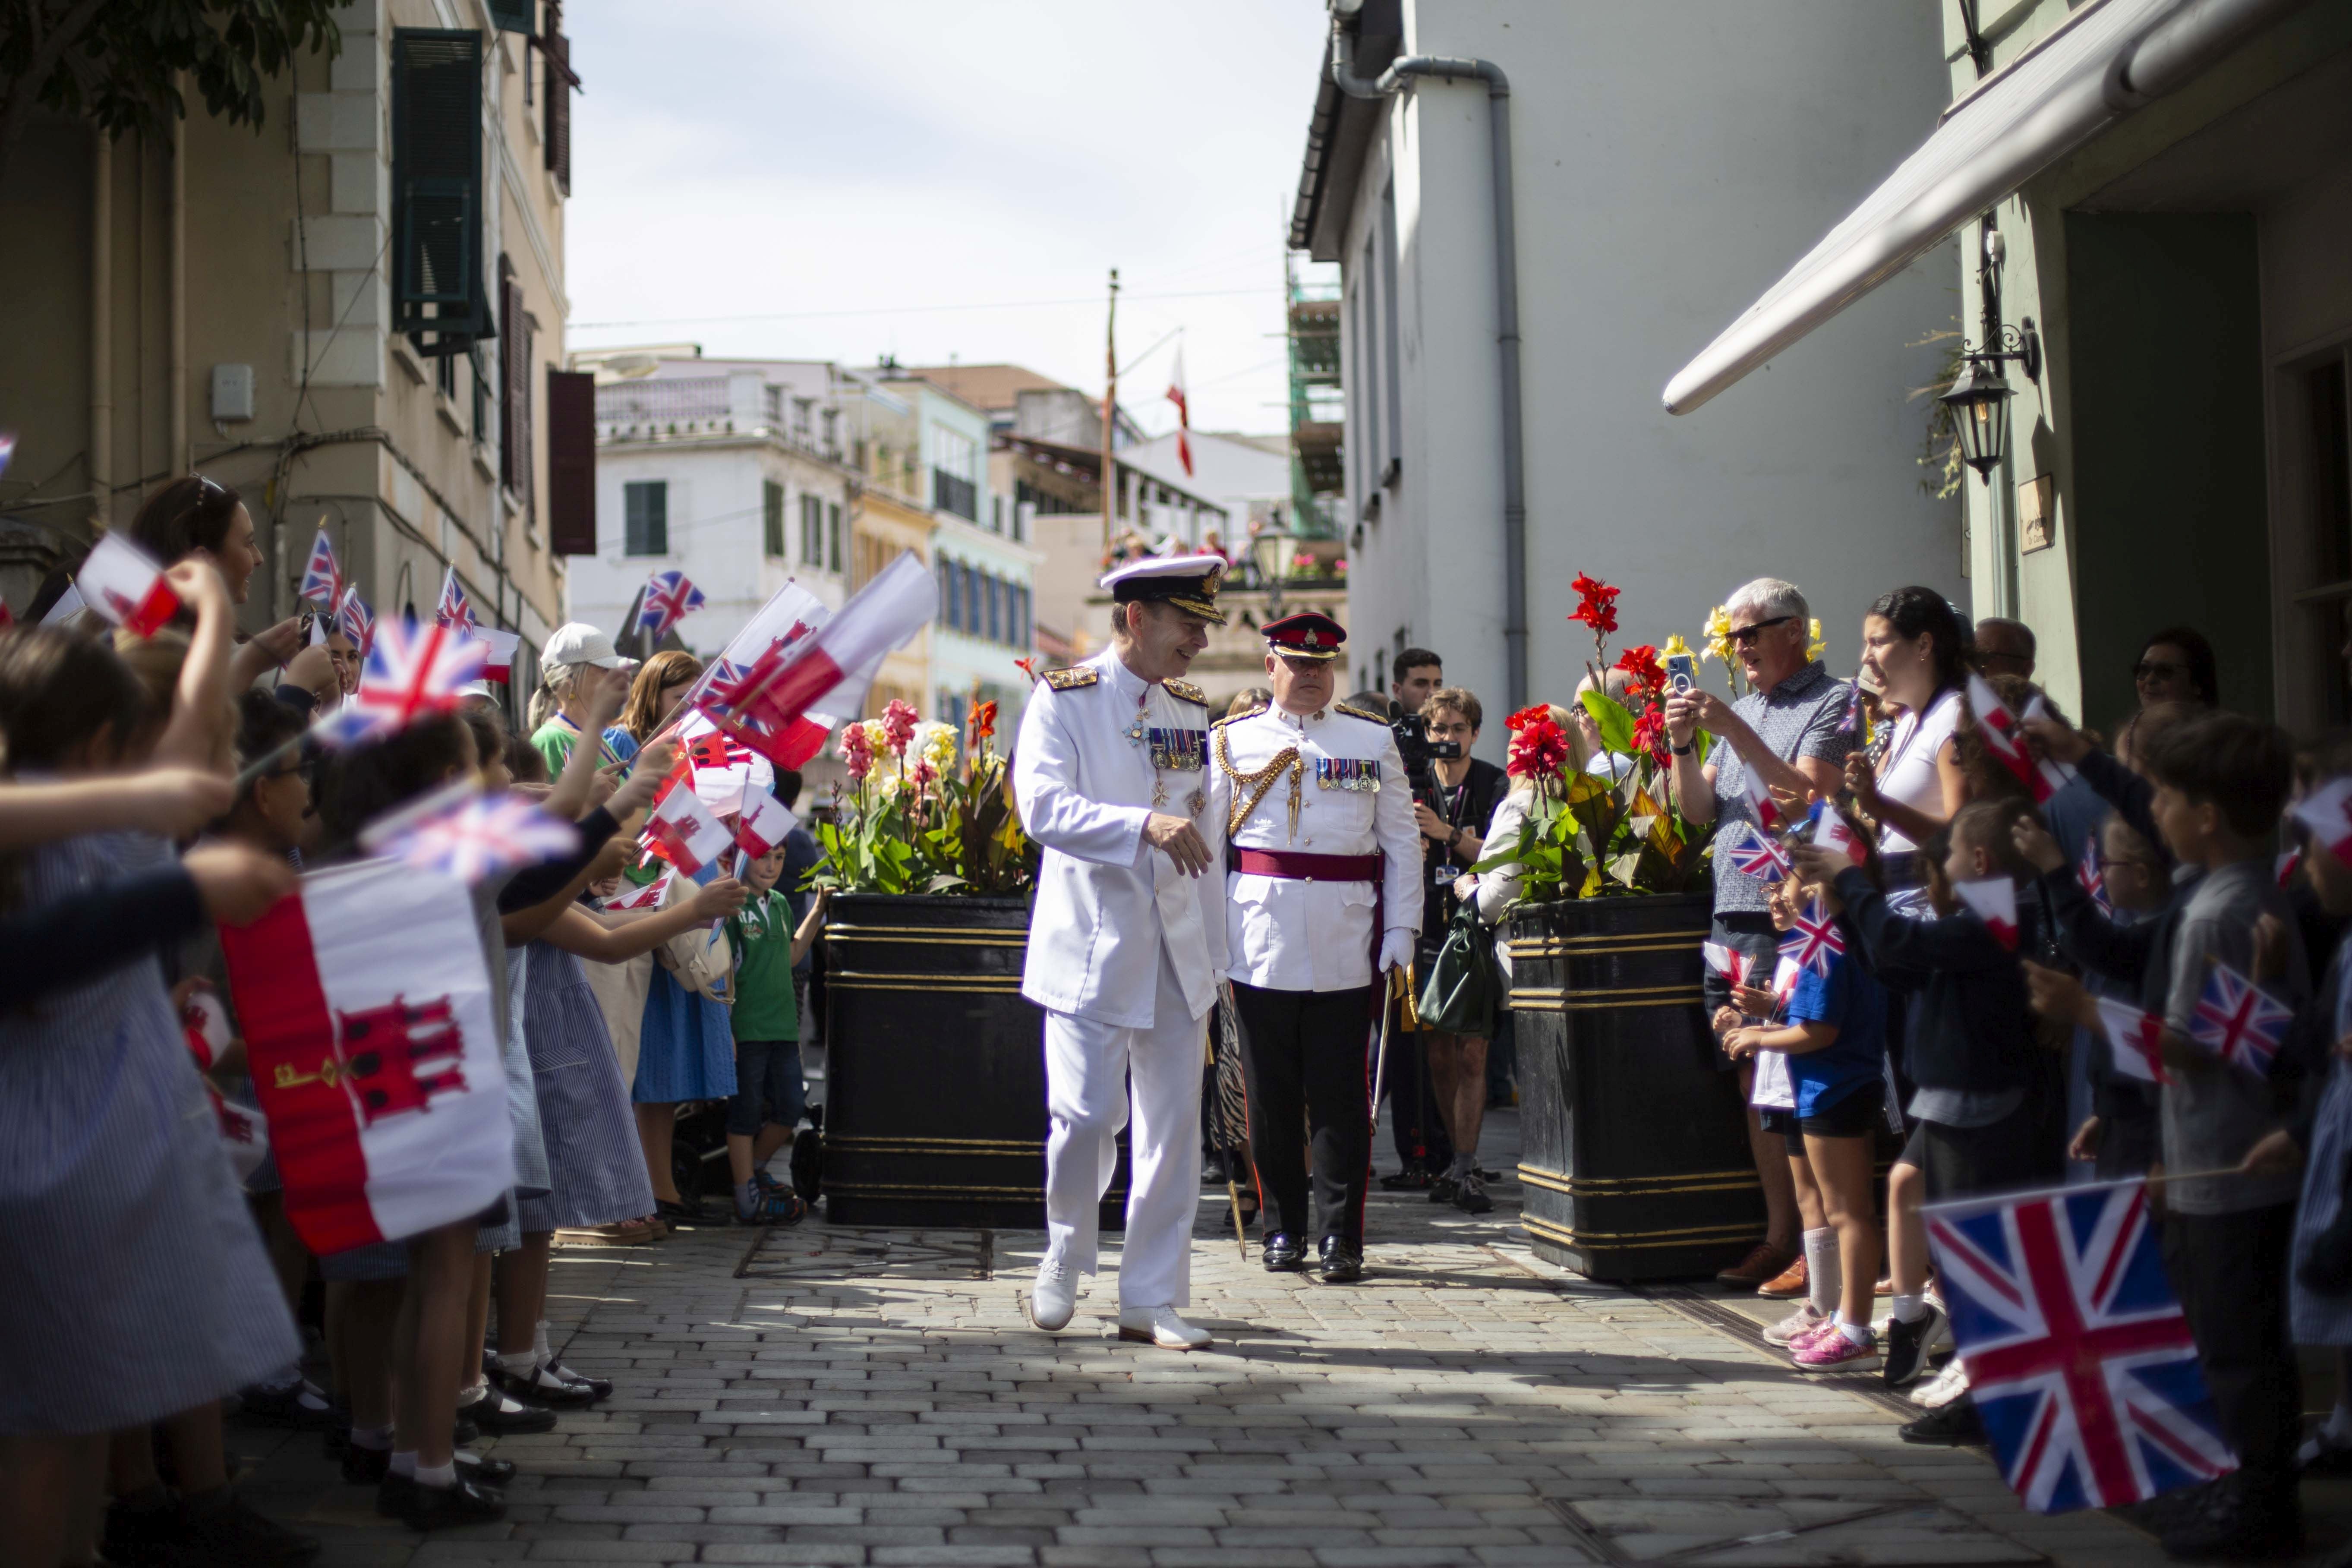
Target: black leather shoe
{"points": [[465, 1431], [1342, 1261], [366, 1467], [484, 1471], [1283, 1253], [502, 1415], [1953, 1425], [597, 1387], [446, 1508], [2238, 1520], [1412, 1179], [540, 1386]]}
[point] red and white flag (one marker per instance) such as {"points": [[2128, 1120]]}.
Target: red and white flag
{"points": [[367, 1022], [1728, 961], [1769, 815], [244, 1132], [322, 575], [2327, 811], [763, 825], [683, 831], [1184, 412], [2137, 1038], [725, 772], [829, 668], [791, 613], [2005, 737], [123, 582], [1831, 831], [2056, 774], [648, 896], [1993, 902], [455, 609]]}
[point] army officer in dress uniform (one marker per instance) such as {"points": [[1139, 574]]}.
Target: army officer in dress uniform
{"points": [[1128, 940], [1322, 895]]}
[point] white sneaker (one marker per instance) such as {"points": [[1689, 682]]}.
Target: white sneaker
{"points": [[1801, 1319], [1161, 1326], [1054, 1297], [1943, 1388]]}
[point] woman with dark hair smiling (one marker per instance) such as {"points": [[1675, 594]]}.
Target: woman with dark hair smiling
{"points": [[198, 517], [1913, 651], [2176, 666]]}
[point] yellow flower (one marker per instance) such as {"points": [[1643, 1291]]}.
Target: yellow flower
{"points": [[1718, 630], [1674, 644], [1815, 647], [936, 743]]}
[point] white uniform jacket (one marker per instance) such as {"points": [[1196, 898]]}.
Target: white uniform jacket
{"points": [[1105, 899], [1288, 934]]}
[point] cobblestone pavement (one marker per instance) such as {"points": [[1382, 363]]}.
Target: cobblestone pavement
{"points": [[831, 1395]]}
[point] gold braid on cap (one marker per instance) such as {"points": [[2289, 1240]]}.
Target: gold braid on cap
{"points": [[1258, 782]]}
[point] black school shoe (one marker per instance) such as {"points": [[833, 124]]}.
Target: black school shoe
{"points": [[1953, 1425], [302, 1403], [1412, 1179], [368, 1466], [541, 1385], [500, 1414], [1342, 1262], [438, 1508], [2241, 1520]]}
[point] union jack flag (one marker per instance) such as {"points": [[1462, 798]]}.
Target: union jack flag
{"points": [[482, 836], [1851, 723], [1814, 941], [356, 621], [2079, 1358], [2093, 881], [411, 673], [2238, 1021], [669, 598], [455, 609], [1755, 855], [322, 579]]}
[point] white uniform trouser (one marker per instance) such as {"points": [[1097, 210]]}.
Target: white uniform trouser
{"points": [[1089, 1068]]}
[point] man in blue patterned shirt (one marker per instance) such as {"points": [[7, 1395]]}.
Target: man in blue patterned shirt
{"points": [[1788, 732]]}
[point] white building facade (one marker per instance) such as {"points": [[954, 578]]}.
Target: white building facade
{"points": [[1660, 154], [731, 471]]}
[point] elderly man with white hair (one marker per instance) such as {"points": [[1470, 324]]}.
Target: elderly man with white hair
{"points": [[1788, 735]]}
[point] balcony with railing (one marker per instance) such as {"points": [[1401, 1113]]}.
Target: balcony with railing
{"points": [[953, 492]]}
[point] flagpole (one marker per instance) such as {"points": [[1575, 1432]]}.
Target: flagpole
{"points": [[1110, 411]]}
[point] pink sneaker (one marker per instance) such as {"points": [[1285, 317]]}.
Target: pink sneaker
{"points": [[1831, 1351]]}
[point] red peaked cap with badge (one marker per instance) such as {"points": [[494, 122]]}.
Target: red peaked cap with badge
{"points": [[1310, 634]]}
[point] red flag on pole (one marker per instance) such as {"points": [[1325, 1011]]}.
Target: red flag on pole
{"points": [[1183, 413]]}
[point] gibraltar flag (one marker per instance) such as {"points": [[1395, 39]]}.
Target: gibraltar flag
{"points": [[763, 825], [123, 582], [367, 1025], [1994, 901], [791, 613]]}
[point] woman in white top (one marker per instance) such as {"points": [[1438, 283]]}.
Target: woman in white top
{"points": [[1913, 649]]}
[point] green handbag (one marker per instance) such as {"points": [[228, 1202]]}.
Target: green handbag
{"points": [[1464, 984]]}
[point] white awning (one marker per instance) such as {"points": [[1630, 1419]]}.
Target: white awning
{"points": [[2107, 59]]}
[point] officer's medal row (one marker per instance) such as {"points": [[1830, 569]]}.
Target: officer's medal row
{"points": [[1172, 751]]}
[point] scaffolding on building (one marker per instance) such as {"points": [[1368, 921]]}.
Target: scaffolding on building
{"points": [[1317, 472]]}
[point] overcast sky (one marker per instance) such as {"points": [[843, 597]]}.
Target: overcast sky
{"points": [[910, 177]]}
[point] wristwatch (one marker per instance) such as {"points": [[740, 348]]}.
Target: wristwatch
{"points": [[1681, 750], [1453, 840]]}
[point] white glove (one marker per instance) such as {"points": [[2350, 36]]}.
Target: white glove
{"points": [[1396, 948]]}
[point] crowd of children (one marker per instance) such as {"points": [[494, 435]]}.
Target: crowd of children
{"points": [[123, 840], [1904, 987]]}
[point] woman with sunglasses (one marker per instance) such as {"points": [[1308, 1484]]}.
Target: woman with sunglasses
{"points": [[2175, 666], [1914, 653]]}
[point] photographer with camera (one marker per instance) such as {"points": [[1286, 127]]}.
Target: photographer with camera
{"points": [[1453, 797]]}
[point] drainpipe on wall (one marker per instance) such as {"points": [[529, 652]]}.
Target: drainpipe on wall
{"points": [[176, 195], [101, 330], [1390, 82]]}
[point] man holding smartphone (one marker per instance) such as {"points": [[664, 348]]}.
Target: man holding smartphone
{"points": [[1454, 829]]}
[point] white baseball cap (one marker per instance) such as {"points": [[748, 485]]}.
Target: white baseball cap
{"points": [[577, 642]]}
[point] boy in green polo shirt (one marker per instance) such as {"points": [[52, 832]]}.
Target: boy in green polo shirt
{"points": [[769, 1096]]}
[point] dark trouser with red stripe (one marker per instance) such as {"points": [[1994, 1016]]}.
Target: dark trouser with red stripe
{"points": [[1305, 1058]]}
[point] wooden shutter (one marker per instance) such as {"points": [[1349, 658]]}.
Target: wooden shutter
{"points": [[515, 456], [560, 83], [772, 519], [514, 16], [436, 187], [571, 462]]}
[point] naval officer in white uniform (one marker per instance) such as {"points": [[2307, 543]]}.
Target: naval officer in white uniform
{"points": [[1127, 942], [1323, 894]]}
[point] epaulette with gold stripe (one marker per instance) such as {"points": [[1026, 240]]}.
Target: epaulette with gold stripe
{"points": [[1187, 691], [1245, 713], [1070, 680], [1380, 719]]}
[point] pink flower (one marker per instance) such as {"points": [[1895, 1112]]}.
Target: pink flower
{"points": [[856, 752], [924, 774], [899, 722]]}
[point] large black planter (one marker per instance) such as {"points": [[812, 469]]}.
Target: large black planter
{"points": [[935, 1067], [1634, 1146]]}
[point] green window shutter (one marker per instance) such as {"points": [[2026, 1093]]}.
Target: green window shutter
{"points": [[515, 16], [646, 507], [833, 532], [772, 508], [436, 187]]}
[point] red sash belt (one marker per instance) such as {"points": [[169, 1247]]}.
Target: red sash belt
{"points": [[1309, 868]]}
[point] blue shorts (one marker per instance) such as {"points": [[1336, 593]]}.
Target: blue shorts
{"points": [[767, 1087]]}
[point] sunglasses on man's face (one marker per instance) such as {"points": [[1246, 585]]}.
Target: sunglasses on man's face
{"points": [[2151, 670], [1745, 637]]}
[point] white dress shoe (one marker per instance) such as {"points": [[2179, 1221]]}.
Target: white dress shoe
{"points": [[1161, 1326], [1054, 1297]]}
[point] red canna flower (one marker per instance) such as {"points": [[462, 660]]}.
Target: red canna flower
{"points": [[1642, 664], [1028, 667], [1650, 733], [1539, 714], [983, 721], [1538, 750], [1599, 608]]}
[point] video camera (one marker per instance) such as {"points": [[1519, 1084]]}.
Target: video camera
{"points": [[1413, 744]]}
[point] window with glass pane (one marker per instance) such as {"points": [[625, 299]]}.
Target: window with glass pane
{"points": [[833, 534], [772, 518], [644, 504], [946, 594], [811, 531], [995, 609]]}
